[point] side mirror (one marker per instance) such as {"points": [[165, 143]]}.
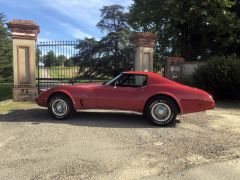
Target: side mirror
{"points": [[115, 84]]}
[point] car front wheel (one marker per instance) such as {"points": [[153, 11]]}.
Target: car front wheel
{"points": [[60, 107], [161, 110]]}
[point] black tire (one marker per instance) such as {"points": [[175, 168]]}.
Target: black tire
{"points": [[161, 110], [60, 107]]}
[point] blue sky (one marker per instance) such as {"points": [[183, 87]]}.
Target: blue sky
{"points": [[60, 19]]}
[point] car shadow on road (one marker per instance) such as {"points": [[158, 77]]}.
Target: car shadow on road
{"points": [[90, 119]]}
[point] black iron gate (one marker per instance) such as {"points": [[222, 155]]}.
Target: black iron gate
{"points": [[58, 63]]}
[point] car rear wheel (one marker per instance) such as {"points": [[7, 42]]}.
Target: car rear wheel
{"points": [[161, 110], [60, 107]]}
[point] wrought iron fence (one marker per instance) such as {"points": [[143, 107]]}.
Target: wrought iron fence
{"points": [[58, 63]]}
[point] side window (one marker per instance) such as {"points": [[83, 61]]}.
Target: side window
{"points": [[133, 80]]}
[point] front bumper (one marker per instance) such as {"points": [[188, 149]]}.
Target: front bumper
{"points": [[41, 101]]}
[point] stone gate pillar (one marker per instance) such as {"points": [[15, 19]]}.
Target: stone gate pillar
{"points": [[144, 44], [24, 36]]}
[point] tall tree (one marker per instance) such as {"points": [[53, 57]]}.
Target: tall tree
{"points": [[88, 48], [119, 47], [113, 18], [116, 42], [189, 28], [88, 52], [6, 69]]}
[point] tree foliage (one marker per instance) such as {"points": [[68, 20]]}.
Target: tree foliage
{"points": [[188, 28], [61, 59], [88, 48], [114, 19], [6, 69], [50, 59]]}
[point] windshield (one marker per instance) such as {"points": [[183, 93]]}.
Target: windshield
{"points": [[114, 79]]}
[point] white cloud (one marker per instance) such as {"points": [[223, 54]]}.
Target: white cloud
{"points": [[87, 11], [71, 30], [83, 14], [75, 32]]}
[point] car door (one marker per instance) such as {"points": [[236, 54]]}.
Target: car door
{"points": [[124, 94]]}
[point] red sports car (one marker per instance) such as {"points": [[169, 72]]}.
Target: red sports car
{"points": [[160, 99]]}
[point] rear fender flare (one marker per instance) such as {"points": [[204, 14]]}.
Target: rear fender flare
{"points": [[168, 95]]}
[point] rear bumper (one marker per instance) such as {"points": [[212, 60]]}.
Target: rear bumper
{"points": [[211, 105], [191, 106]]}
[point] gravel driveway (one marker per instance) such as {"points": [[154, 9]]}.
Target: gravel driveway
{"points": [[112, 145]]}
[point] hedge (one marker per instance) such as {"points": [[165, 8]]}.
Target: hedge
{"points": [[220, 76]]}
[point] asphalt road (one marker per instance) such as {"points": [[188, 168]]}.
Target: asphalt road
{"points": [[116, 145]]}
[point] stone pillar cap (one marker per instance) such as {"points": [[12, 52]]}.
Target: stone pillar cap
{"points": [[144, 39], [23, 29]]}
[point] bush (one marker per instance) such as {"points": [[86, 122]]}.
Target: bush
{"points": [[220, 76], [5, 91]]}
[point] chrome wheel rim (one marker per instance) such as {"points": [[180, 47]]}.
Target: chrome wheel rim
{"points": [[59, 107], [161, 112]]}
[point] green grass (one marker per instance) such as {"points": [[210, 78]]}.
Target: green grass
{"points": [[58, 72], [8, 106], [63, 72], [5, 91]]}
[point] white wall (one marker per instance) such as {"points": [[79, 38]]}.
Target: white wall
{"points": [[189, 68]]}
